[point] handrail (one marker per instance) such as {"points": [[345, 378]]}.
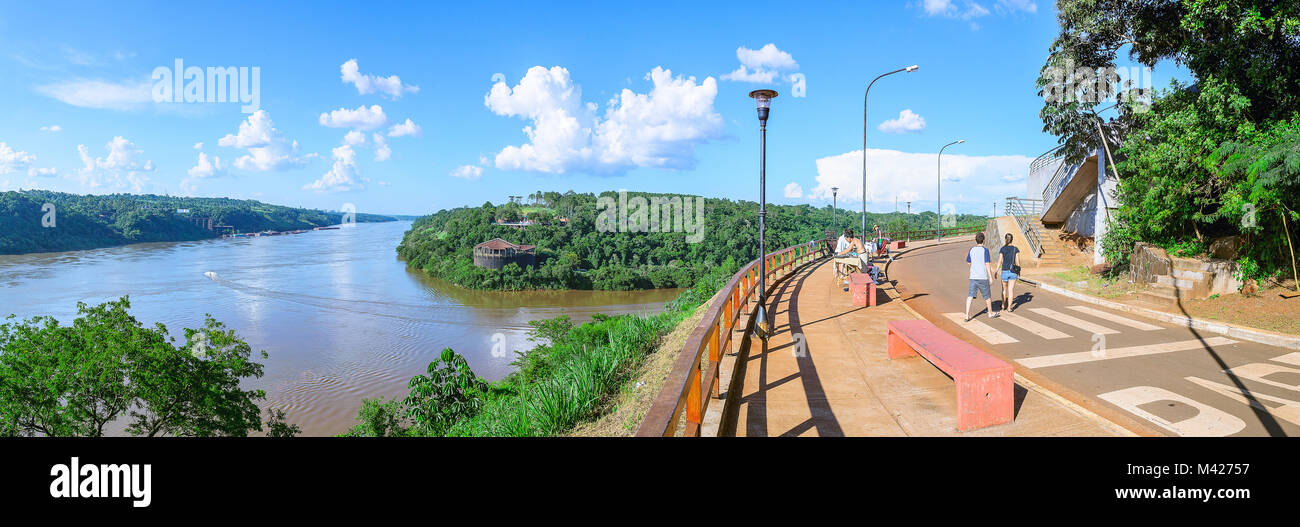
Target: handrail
{"points": [[1055, 185], [687, 386], [925, 234], [1023, 214]]}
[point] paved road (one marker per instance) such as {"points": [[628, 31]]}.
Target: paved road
{"points": [[1150, 376]]}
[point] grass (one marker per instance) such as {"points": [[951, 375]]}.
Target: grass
{"points": [[1081, 279]]}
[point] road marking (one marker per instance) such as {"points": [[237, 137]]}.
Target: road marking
{"points": [[1208, 421], [1031, 326], [1288, 409], [1115, 318], [1290, 358], [981, 330], [1067, 319], [1062, 359]]}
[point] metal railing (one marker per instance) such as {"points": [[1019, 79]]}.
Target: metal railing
{"points": [[691, 384], [927, 234], [1025, 211]]}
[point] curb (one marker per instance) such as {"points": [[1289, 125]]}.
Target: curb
{"points": [[1222, 328]]}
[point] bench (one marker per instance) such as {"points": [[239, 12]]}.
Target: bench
{"points": [[984, 383], [863, 289], [899, 244]]}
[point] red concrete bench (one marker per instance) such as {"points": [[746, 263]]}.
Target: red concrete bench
{"points": [[899, 244], [984, 383], [863, 289]]}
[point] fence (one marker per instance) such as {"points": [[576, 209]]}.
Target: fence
{"points": [[1025, 211], [691, 383]]}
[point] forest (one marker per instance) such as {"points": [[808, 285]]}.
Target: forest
{"points": [[77, 222], [576, 254]]}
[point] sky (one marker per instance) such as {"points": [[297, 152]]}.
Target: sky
{"points": [[409, 108]]}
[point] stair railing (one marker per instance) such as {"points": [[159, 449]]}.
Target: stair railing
{"points": [[1024, 211]]}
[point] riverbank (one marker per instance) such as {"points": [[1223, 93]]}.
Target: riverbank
{"points": [[574, 378]]}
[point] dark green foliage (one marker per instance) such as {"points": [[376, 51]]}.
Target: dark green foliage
{"points": [[579, 256], [449, 392], [108, 367], [1207, 158], [87, 222]]}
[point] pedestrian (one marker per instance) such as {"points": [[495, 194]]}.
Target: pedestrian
{"points": [[981, 274], [1009, 263], [841, 245]]}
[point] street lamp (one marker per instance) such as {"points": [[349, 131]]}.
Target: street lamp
{"points": [[834, 207], [908, 69], [938, 220], [763, 99]]}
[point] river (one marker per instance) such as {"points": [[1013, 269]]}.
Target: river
{"points": [[340, 315]]}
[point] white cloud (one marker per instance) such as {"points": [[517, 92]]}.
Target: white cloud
{"points": [[207, 167], [406, 128], [100, 94], [762, 65], [391, 86], [12, 160], [198, 145], [120, 170], [907, 121], [51, 128], [974, 181], [793, 190], [361, 118], [970, 9], [354, 138], [469, 172], [267, 147], [382, 151], [660, 129], [342, 176]]}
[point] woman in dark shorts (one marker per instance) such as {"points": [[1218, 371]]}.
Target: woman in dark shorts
{"points": [[1008, 262]]}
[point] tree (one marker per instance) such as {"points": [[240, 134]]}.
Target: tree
{"points": [[75, 380], [449, 392]]}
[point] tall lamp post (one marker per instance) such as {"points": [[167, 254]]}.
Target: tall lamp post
{"points": [[763, 99], [834, 207], [908, 69], [938, 185]]}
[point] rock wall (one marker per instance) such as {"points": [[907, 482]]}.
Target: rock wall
{"points": [[1148, 262]]}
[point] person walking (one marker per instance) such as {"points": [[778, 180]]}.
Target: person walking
{"points": [[981, 274], [1009, 263]]}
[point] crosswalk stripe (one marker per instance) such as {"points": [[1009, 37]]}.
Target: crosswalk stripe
{"points": [[1062, 359], [1031, 326], [1115, 318], [1290, 358], [981, 330], [1067, 319]]}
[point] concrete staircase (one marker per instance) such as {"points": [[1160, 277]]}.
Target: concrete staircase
{"points": [[1187, 280], [1053, 252]]}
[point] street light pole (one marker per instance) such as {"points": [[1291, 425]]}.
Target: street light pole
{"points": [[938, 185], [909, 222], [834, 207], [908, 69], [763, 99]]}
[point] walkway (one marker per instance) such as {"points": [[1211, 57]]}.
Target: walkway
{"points": [[1149, 376], [826, 373]]}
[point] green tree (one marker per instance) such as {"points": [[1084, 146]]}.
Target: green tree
{"points": [[108, 367]]}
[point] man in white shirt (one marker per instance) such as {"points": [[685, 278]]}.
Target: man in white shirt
{"points": [[841, 245], [981, 271]]}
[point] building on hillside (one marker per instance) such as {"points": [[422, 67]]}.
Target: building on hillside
{"points": [[496, 253]]}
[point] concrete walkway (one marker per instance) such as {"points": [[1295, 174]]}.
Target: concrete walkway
{"points": [[826, 373]]}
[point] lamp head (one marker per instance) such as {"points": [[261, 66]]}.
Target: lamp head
{"points": [[763, 99], [960, 141], [912, 68]]}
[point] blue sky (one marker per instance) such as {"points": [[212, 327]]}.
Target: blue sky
{"points": [[641, 97]]}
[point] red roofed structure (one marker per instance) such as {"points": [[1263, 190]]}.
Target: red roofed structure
{"points": [[497, 253]]}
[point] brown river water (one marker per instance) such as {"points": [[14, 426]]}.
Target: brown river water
{"points": [[341, 317]]}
